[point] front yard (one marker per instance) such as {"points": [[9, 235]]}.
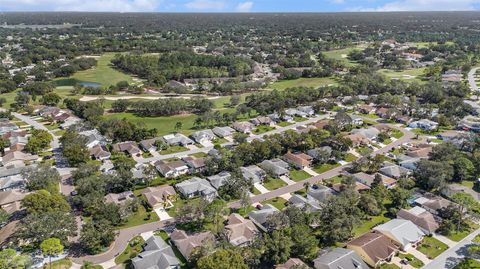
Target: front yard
{"points": [[459, 235], [277, 202], [368, 224], [322, 168], [140, 217], [134, 247], [263, 129], [273, 183], [173, 149], [431, 247], [412, 260], [299, 175]]}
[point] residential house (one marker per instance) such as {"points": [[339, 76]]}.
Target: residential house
{"points": [[254, 173], [220, 179], [374, 248], [10, 200], [160, 196], [319, 193], [432, 203], [358, 139], [307, 110], [12, 182], [424, 124], [356, 120], [203, 136], [7, 126], [94, 138], [359, 187], [120, 198], [403, 119], [384, 113], [321, 124], [177, 140], [187, 243], [260, 217], [401, 231], [383, 127], [292, 263], [262, 120], [394, 171], [14, 156], [470, 123], [455, 137], [100, 153], [339, 258], [366, 109], [419, 150], [225, 131], [243, 127], [420, 217], [321, 154], [156, 254], [409, 163], [292, 112], [298, 160], [171, 169], [370, 133], [275, 167], [307, 204], [128, 147], [149, 145], [196, 165], [196, 187], [368, 180], [240, 231]]}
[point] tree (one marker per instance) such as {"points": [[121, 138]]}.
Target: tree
{"points": [[4, 216], [278, 247], [51, 247], [464, 169], [178, 126], [74, 149], [39, 140], [222, 259], [369, 205], [42, 177], [215, 211], [35, 228], [51, 99], [150, 173], [9, 258], [304, 242], [240, 138], [234, 100], [42, 201], [96, 236], [432, 174]]}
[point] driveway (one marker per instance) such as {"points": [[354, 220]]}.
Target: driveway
{"points": [[162, 214]]}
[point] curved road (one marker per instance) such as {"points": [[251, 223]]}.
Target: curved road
{"points": [[471, 79], [125, 235]]}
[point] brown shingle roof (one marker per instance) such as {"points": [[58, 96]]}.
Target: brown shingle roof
{"points": [[376, 245], [423, 219]]}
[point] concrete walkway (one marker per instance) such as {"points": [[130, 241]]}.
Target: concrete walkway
{"points": [[287, 180], [419, 255], [444, 240], [162, 214]]}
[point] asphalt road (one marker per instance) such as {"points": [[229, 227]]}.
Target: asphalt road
{"points": [[55, 144], [452, 256], [471, 79], [249, 139]]}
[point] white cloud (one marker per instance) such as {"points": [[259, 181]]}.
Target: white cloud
{"points": [[206, 5], [76, 5], [425, 5], [244, 6]]}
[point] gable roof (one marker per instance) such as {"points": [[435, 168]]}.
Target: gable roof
{"points": [[155, 195], [195, 185], [420, 217], [156, 255], [240, 230], [218, 180], [261, 216], [402, 231], [186, 243], [339, 258], [128, 146], [376, 245]]}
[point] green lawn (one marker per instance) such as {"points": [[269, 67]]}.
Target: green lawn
{"points": [[370, 116], [350, 157], [199, 155], [140, 217], [134, 247], [60, 264], [412, 260], [299, 119], [432, 247], [298, 175], [388, 266], [341, 55], [415, 74], [273, 184], [284, 124], [396, 133], [173, 149], [364, 151], [245, 212], [367, 225], [255, 191], [468, 184], [322, 168], [277, 202], [219, 141], [334, 180], [476, 239], [103, 73], [263, 129], [302, 82]]}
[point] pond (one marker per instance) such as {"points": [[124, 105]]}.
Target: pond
{"points": [[89, 84]]}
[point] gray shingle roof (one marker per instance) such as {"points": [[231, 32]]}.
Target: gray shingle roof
{"points": [[156, 255], [195, 185], [340, 258], [218, 180]]}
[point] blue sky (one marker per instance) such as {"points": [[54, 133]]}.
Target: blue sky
{"points": [[237, 5]]}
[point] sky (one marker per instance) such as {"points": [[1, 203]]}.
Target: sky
{"points": [[238, 5]]}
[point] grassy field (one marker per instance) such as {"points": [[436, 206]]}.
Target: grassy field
{"points": [[140, 217], [273, 184], [60, 264], [103, 74], [415, 74], [388, 266], [431, 247], [369, 224], [277, 202], [173, 149], [341, 55], [299, 175], [322, 168], [302, 82]]}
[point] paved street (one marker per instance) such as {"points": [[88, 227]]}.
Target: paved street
{"points": [[453, 255], [28, 120], [249, 139], [471, 79]]}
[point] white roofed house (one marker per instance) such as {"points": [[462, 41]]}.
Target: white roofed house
{"points": [[225, 131], [254, 173], [171, 169], [94, 138], [7, 126], [370, 133], [308, 110], [424, 124], [394, 171], [178, 140], [401, 231], [196, 187], [203, 136]]}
